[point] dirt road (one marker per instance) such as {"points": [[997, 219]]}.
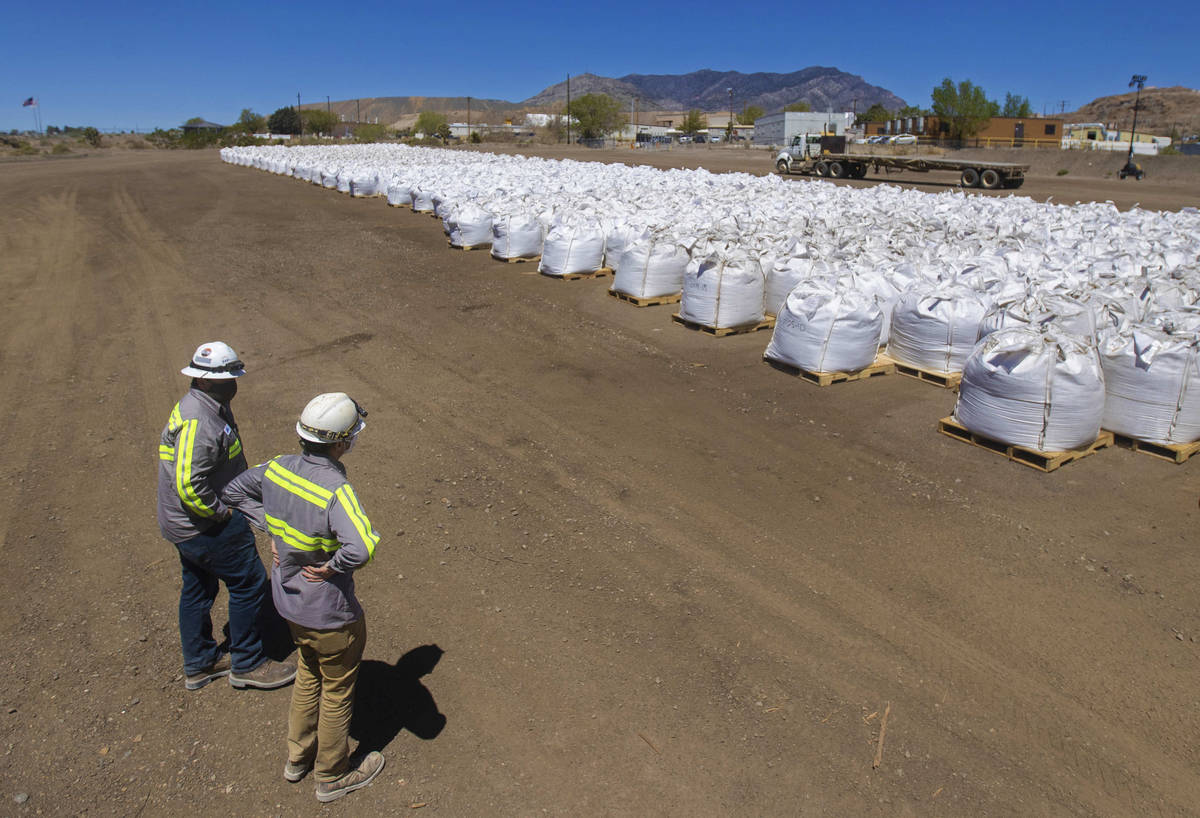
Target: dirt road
{"points": [[626, 568]]}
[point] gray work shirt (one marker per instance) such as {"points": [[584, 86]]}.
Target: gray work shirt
{"points": [[314, 517], [199, 452]]}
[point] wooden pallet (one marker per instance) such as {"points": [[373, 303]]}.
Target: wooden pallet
{"points": [[721, 332], [405, 206], [649, 301], [1042, 461], [882, 366], [1175, 452], [519, 259], [454, 246], [946, 380], [601, 273]]}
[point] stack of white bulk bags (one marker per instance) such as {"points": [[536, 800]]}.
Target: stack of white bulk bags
{"points": [[1038, 389], [470, 226], [516, 235], [651, 265], [1152, 381], [827, 326], [399, 194], [572, 248], [934, 326], [724, 289]]}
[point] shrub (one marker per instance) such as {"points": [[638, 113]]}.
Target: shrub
{"points": [[1062, 172], [60, 149], [92, 137]]}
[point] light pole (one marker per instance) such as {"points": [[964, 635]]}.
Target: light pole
{"points": [[730, 114], [1130, 168]]}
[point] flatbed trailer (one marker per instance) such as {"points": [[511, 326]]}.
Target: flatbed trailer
{"points": [[812, 158]]}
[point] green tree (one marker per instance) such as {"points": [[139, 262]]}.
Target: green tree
{"points": [[443, 132], [598, 115], [429, 122], [369, 132], [798, 107], [317, 121], [876, 113], [1016, 106], [92, 136], [250, 122], [911, 110], [284, 120], [749, 114], [965, 107], [694, 122]]}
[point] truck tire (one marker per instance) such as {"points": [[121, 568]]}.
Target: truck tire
{"points": [[858, 171], [781, 166], [990, 179], [969, 178], [837, 170], [822, 168]]}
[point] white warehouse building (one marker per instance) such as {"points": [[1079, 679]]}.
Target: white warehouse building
{"points": [[778, 129]]}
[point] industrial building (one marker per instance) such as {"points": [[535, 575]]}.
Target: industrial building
{"points": [[778, 129]]}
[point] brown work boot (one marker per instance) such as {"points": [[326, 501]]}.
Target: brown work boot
{"points": [[267, 676], [216, 670], [359, 777]]}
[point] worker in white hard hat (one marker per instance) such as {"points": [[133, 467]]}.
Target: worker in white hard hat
{"points": [[199, 452], [320, 537]]}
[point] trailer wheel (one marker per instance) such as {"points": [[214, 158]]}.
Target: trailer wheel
{"points": [[837, 170], [990, 179], [1013, 184], [969, 178], [822, 168], [859, 171], [781, 166]]}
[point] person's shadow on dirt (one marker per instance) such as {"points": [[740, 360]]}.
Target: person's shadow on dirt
{"points": [[391, 698]]}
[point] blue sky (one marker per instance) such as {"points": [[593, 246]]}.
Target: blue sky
{"points": [[121, 65]]}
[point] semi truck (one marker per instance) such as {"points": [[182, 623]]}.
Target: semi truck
{"points": [[826, 155]]}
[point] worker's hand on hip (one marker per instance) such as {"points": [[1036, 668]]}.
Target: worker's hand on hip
{"points": [[274, 553], [317, 573]]}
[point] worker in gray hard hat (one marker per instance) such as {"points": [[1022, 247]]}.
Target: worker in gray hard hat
{"points": [[320, 537], [200, 450]]}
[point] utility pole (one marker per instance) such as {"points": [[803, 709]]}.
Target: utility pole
{"points": [[1131, 169], [298, 116], [731, 131], [357, 113], [568, 109], [1062, 106], [468, 119]]}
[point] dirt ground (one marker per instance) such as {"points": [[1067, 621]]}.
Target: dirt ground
{"points": [[626, 569]]}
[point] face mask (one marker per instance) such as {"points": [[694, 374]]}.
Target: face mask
{"points": [[224, 391]]}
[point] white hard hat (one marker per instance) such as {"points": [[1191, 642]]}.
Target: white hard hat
{"points": [[331, 418], [215, 360]]}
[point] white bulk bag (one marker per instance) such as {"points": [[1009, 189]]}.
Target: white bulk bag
{"points": [[572, 249], [516, 236], [343, 181], [422, 201], [934, 326], [724, 289], [399, 195], [1023, 386], [329, 179], [651, 267], [363, 185], [827, 326], [782, 277], [1152, 384], [470, 226]]}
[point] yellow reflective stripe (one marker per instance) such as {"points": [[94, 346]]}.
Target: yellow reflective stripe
{"points": [[354, 511], [183, 470], [235, 449], [176, 419], [297, 485], [165, 452], [297, 538]]}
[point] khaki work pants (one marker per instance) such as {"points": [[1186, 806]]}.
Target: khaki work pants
{"points": [[323, 697]]}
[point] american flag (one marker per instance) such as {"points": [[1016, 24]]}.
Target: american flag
{"points": [[27, 103]]}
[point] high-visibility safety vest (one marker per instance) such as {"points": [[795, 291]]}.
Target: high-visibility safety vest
{"points": [[315, 518], [199, 451]]}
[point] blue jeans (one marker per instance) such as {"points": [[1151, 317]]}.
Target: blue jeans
{"points": [[226, 555]]}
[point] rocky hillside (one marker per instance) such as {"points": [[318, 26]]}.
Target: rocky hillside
{"points": [[821, 87], [1160, 110]]}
